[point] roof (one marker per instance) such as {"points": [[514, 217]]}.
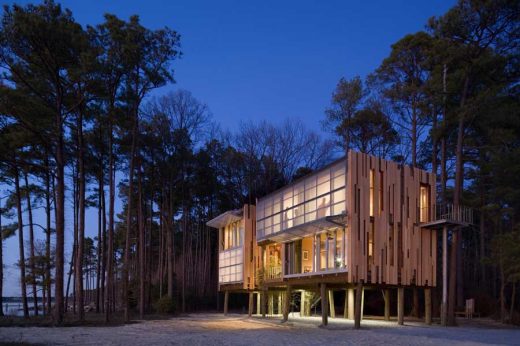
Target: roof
{"points": [[226, 218]]}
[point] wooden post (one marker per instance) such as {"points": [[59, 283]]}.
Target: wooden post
{"points": [[362, 302], [345, 306], [350, 303], [226, 302], [387, 304], [357, 308], [400, 305], [427, 306], [287, 303], [444, 304], [263, 298], [324, 305], [302, 304], [332, 309], [270, 303], [251, 303], [258, 304]]}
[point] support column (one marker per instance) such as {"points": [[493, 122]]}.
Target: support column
{"points": [[287, 303], [387, 303], [226, 302], [345, 306], [251, 303], [270, 303], [258, 304], [357, 308], [303, 303], [400, 305], [428, 306], [350, 293], [263, 299], [280, 311], [324, 305], [332, 309], [444, 304], [362, 302]]}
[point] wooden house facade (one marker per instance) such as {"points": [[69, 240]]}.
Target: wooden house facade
{"points": [[351, 225]]}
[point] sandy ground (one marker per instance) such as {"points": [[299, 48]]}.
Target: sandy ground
{"points": [[214, 329]]}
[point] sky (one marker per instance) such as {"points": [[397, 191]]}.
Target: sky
{"points": [[260, 60]]}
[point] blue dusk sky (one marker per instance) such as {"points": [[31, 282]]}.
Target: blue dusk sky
{"points": [[261, 60]]}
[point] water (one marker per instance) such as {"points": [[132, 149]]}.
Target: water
{"points": [[14, 307]]}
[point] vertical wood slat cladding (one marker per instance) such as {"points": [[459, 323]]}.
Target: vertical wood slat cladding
{"points": [[251, 249], [411, 258]]}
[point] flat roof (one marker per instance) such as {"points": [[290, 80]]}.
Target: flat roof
{"points": [[226, 218]]}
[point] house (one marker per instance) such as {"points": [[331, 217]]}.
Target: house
{"points": [[355, 224]]}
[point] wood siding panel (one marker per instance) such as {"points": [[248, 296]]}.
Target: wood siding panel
{"points": [[418, 245]]}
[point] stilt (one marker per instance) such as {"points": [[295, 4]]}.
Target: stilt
{"points": [[362, 302], [287, 303], [428, 306], [270, 299], [332, 309], [251, 303], [357, 308], [226, 302], [258, 312], [303, 303], [263, 299], [350, 293], [400, 305], [387, 304], [345, 305], [280, 311], [444, 304], [324, 305]]}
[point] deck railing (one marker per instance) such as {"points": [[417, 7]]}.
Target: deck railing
{"points": [[273, 272], [459, 214]]}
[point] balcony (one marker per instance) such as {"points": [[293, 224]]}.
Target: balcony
{"points": [[449, 215]]}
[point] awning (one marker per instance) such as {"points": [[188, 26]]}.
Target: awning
{"points": [[306, 229], [225, 218]]}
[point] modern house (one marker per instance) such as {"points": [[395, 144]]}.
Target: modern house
{"points": [[359, 223]]}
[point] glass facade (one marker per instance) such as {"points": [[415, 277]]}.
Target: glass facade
{"points": [[317, 196], [231, 253]]}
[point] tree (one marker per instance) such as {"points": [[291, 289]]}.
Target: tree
{"points": [[346, 100]]}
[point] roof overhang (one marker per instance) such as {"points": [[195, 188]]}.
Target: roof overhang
{"points": [[306, 229], [226, 218]]}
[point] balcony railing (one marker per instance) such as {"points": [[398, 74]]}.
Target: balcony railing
{"points": [[449, 213], [273, 272]]}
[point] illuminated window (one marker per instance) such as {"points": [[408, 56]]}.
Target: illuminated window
{"points": [[381, 195], [371, 243], [372, 183], [231, 235], [424, 201]]}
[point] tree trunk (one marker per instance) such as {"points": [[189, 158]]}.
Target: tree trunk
{"points": [[512, 307], [126, 264], [20, 243], [48, 234], [99, 244], [141, 245], [31, 243], [111, 198], [1, 264], [81, 219], [60, 215]]}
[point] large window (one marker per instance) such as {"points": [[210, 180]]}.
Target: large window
{"points": [[424, 203], [317, 196], [230, 265], [232, 236]]}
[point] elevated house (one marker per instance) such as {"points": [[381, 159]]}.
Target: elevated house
{"points": [[359, 223]]}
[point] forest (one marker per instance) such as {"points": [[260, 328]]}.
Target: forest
{"points": [[82, 128]]}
